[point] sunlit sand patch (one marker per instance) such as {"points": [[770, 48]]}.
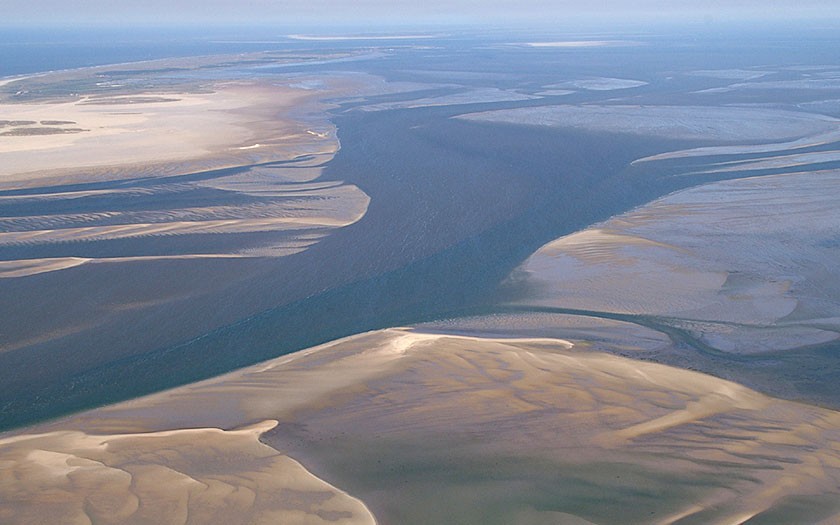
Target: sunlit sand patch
{"points": [[292, 243], [6, 81], [200, 475], [177, 129], [27, 267], [677, 122], [719, 450], [195, 125], [591, 332], [164, 134]]}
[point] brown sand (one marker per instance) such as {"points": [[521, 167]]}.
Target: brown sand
{"points": [[540, 398]]}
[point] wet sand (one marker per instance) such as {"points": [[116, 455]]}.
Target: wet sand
{"points": [[745, 265]]}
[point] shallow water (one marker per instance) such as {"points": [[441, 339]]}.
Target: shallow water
{"points": [[455, 206]]}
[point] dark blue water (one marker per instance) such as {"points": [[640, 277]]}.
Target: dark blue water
{"points": [[28, 50]]}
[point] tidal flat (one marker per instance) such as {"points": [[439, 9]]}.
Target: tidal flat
{"points": [[462, 279]]}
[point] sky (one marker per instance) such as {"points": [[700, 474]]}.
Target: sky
{"points": [[402, 12]]}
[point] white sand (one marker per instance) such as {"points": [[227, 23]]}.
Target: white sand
{"points": [[194, 126]]}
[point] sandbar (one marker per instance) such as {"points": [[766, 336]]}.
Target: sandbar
{"points": [[394, 398]]}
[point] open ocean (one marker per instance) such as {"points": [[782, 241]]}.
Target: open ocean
{"points": [[27, 51]]}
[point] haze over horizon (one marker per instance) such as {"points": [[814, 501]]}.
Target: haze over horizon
{"points": [[402, 13]]}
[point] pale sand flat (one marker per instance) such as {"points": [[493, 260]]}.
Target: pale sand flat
{"points": [[187, 126], [731, 124], [161, 134]]}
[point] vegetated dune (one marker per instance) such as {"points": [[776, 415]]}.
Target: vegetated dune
{"points": [[434, 427]]}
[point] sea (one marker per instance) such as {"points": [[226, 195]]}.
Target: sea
{"points": [[456, 206]]}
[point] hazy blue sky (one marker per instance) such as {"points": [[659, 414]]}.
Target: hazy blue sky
{"points": [[54, 12]]}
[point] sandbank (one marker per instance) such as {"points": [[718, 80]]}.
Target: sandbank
{"points": [[126, 132], [196, 475], [744, 264], [730, 450]]}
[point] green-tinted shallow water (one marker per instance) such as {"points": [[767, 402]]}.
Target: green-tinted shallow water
{"points": [[449, 480]]}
